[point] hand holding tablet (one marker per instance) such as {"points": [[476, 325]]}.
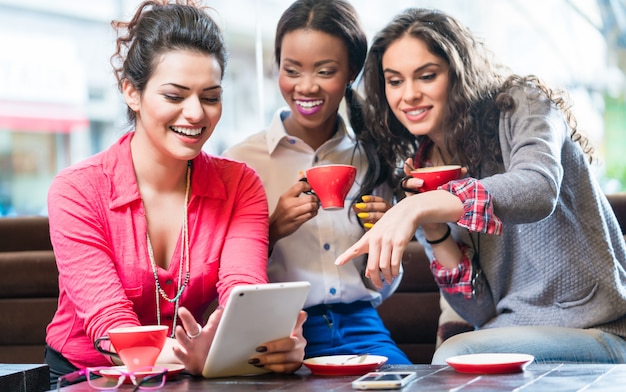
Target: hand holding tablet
{"points": [[253, 315]]}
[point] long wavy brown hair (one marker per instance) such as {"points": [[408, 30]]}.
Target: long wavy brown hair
{"points": [[478, 94]]}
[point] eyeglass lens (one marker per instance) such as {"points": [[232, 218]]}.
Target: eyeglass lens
{"points": [[110, 378], [105, 378]]}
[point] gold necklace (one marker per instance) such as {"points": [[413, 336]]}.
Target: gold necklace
{"points": [[184, 259]]}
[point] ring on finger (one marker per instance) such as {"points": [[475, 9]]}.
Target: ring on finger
{"points": [[195, 335]]}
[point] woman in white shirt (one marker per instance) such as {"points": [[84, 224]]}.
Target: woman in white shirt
{"points": [[320, 48]]}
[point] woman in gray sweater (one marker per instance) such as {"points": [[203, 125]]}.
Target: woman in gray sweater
{"points": [[525, 247]]}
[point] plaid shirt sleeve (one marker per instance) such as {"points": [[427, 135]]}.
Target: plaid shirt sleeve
{"points": [[478, 217], [455, 280], [478, 206]]}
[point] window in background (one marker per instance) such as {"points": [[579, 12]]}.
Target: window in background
{"points": [[59, 103], [614, 143], [28, 162]]}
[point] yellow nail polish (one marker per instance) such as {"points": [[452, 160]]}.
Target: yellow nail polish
{"points": [[366, 198], [363, 215], [360, 206], [368, 225]]}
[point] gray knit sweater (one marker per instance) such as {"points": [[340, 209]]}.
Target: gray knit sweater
{"points": [[561, 258]]}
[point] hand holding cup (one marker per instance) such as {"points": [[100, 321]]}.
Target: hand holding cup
{"points": [[331, 184], [435, 176]]}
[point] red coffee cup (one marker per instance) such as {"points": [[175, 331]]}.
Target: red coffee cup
{"points": [[331, 184], [436, 176], [137, 347]]}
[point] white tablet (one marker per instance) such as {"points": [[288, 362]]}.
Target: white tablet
{"points": [[254, 314]]}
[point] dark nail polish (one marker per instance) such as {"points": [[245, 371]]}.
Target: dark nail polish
{"points": [[261, 349], [253, 361]]}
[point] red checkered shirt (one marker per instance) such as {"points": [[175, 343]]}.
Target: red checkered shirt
{"points": [[478, 216]]}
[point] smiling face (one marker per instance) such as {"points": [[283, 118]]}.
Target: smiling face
{"points": [[416, 86], [180, 106], [314, 72]]}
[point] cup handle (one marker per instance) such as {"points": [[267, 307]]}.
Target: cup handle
{"points": [[404, 188], [303, 179], [96, 344]]}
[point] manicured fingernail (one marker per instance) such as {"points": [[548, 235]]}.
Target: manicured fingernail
{"points": [[363, 215], [360, 206], [261, 349], [366, 198], [253, 361], [368, 225]]}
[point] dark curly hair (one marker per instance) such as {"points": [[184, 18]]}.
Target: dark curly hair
{"points": [[159, 27], [478, 94]]}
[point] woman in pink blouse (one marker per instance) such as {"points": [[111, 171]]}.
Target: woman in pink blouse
{"points": [[153, 229]]}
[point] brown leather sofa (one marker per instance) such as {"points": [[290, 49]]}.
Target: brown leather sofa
{"points": [[29, 290]]}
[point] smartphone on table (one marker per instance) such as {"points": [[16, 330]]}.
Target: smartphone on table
{"points": [[384, 380]]}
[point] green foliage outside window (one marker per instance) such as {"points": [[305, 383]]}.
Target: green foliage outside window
{"points": [[614, 147]]}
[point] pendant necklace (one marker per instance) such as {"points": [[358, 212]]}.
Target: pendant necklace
{"points": [[184, 259]]}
